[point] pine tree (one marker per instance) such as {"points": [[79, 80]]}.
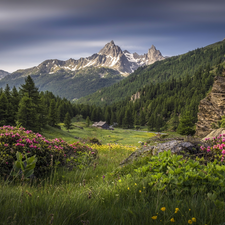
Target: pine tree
{"points": [[15, 102], [186, 125], [27, 115], [151, 122], [52, 115], [88, 121], [30, 89], [174, 121], [3, 109], [142, 118], [67, 121]]}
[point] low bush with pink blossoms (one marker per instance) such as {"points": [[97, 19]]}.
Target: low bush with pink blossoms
{"points": [[49, 153], [215, 148]]}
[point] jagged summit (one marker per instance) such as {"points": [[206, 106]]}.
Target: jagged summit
{"points": [[110, 56], [154, 55], [110, 49]]}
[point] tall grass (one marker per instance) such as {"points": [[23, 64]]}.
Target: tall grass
{"points": [[97, 196]]}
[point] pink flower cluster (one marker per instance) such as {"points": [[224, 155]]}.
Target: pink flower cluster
{"points": [[219, 144]]}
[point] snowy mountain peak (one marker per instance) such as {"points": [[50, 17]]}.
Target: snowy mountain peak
{"points": [[111, 49], [110, 56]]}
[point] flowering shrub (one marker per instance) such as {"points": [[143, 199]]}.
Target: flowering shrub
{"points": [[216, 147], [48, 153]]}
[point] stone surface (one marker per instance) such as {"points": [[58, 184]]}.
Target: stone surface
{"points": [[215, 133], [211, 108], [176, 147]]}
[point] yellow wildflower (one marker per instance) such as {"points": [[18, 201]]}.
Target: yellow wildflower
{"points": [[193, 219], [172, 220], [140, 191], [135, 184], [128, 188], [163, 209], [190, 221], [177, 209], [154, 217]]}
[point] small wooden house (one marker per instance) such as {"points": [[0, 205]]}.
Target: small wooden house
{"points": [[101, 124]]}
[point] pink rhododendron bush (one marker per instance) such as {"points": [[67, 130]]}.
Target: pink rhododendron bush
{"points": [[48, 153], [215, 148]]}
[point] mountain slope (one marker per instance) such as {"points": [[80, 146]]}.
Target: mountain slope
{"points": [[77, 78], [71, 85], [3, 74], [174, 67]]}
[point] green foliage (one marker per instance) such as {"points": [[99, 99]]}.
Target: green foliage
{"points": [[186, 125], [24, 168], [48, 153], [52, 116], [88, 121], [178, 176], [27, 114], [222, 122], [67, 122]]}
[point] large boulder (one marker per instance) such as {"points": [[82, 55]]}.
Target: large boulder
{"points": [[177, 147]]}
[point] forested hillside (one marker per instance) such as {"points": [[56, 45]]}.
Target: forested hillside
{"points": [[174, 67], [68, 84], [32, 109], [160, 105]]}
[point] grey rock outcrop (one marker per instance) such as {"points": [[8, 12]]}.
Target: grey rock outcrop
{"points": [[176, 147], [154, 55], [211, 108]]}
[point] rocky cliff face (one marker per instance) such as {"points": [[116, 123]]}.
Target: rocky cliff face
{"points": [[211, 108]]}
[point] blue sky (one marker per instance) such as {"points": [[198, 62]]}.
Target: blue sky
{"points": [[33, 31]]}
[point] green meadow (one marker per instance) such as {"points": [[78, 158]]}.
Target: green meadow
{"points": [[118, 135], [104, 193]]}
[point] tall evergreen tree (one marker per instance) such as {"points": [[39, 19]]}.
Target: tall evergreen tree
{"points": [[52, 116], [186, 125], [27, 115], [88, 121], [67, 121], [3, 109]]}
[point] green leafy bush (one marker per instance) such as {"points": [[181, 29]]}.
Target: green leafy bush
{"points": [[49, 153], [174, 174], [24, 168]]}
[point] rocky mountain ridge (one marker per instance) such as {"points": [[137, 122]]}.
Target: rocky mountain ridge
{"points": [[110, 56], [3, 74]]}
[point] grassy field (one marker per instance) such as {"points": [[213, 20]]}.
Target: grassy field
{"points": [[118, 135], [99, 194]]}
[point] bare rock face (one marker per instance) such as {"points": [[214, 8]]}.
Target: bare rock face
{"points": [[135, 96], [211, 108], [154, 55]]}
